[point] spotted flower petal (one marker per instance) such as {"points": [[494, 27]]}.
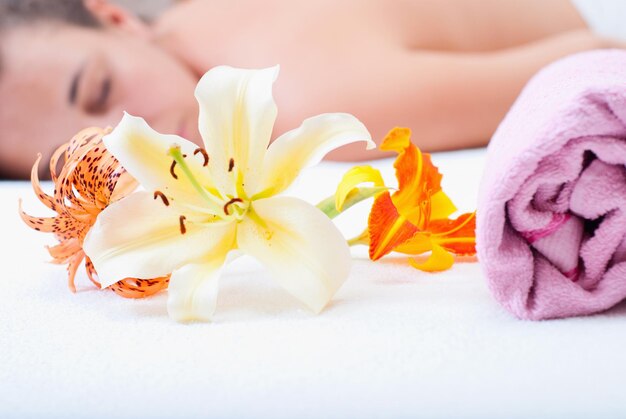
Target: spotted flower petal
{"points": [[90, 179]]}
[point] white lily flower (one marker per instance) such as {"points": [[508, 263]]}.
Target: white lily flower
{"points": [[201, 203]]}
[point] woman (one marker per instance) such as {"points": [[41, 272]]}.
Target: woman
{"points": [[448, 69]]}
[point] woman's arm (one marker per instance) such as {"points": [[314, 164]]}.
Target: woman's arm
{"points": [[451, 100]]}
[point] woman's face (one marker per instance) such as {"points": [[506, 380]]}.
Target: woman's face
{"points": [[58, 79]]}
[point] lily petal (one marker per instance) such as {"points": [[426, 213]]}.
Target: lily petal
{"points": [[457, 236], [354, 177], [237, 115], [420, 243], [419, 180], [441, 206], [299, 245], [152, 243], [439, 260], [306, 146], [143, 152], [387, 227], [193, 289]]}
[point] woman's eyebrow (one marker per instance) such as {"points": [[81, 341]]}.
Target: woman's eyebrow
{"points": [[74, 86]]}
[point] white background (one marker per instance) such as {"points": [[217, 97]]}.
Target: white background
{"points": [[394, 342]]}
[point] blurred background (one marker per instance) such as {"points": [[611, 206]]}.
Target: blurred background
{"points": [[147, 9], [447, 69]]}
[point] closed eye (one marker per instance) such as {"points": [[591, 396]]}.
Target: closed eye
{"points": [[98, 103], [73, 94], [92, 86]]}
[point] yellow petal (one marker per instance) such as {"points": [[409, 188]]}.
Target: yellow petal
{"points": [[416, 245], [398, 139], [441, 206], [237, 115], [305, 147], [356, 195], [354, 177], [299, 245], [439, 260]]}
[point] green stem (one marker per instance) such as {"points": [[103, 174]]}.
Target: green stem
{"points": [[327, 206]]}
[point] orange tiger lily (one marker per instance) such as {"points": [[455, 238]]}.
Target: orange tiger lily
{"points": [[89, 180], [415, 219]]}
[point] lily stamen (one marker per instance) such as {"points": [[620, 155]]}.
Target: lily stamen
{"points": [[181, 222], [172, 170], [231, 164], [159, 194], [229, 203], [205, 155], [211, 196]]}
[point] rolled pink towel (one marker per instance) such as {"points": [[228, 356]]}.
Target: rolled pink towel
{"points": [[551, 226]]}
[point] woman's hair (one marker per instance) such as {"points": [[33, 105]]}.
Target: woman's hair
{"points": [[20, 12]]}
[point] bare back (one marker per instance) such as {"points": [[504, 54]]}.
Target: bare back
{"points": [[382, 61]]}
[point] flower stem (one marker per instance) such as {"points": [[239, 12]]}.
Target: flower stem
{"points": [[328, 206]]}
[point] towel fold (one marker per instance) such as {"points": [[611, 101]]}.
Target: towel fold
{"points": [[551, 224]]}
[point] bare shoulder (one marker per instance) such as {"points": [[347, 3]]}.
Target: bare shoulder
{"points": [[182, 29]]}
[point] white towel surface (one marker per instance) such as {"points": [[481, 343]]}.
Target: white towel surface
{"points": [[395, 342]]}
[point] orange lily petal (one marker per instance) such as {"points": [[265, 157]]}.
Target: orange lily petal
{"points": [[430, 175], [140, 288], [54, 162], [420, 243], [387, 228], [130, 287], [398, 139], [63, 251], [457, 236], [72, 267], [84, 186], [418, 180], [439, 260], [45, 199], [44, 224], [441, 206], [354, 177]]}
